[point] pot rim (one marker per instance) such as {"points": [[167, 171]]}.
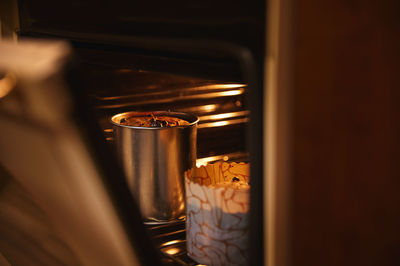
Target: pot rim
{"points": [[186, 116]]}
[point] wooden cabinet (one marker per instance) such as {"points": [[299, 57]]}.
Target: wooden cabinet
{"points": [[346, 148]]}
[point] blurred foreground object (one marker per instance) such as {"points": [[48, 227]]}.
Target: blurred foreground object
{"points": [[55, 206]]}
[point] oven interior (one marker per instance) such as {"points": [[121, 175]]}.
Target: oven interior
{"points": [[118, 79], [104, 82], [118, 82], [204, 58]]}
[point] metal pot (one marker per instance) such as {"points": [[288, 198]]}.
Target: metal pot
{"points": [[154, 160]]}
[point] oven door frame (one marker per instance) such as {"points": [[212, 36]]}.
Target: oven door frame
{"points": [[251, 71]]}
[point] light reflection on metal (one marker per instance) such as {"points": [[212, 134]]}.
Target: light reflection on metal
{"points": [[226, 157], [224, 115], [219, 123], [205, 161], [223, 123], [150, 184], [172, 251], [140, 101], [171, 91], [7, 83], [172, 242], [209, 107], [201, 108], [223, 86], [232, 92]]}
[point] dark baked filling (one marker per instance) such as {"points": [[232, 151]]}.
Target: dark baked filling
{"points": [[153, 121]]}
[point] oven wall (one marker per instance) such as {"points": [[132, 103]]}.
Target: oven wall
{"points": [[237, 21]]}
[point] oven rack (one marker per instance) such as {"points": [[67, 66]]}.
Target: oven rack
{"points": [[170, 239]]}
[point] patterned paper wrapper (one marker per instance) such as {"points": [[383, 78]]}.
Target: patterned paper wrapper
{"points": [[217, 205]]}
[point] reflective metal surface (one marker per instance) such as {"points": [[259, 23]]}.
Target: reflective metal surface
{"points": [[171, 240], [154, 160]]}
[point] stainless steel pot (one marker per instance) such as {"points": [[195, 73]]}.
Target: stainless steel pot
{"points": [[154, 160]]}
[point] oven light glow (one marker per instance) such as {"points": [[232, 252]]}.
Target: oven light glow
{"points": [[172, 251], [232, 92], [172, 242], [222, 86], [205, 161], [231, 86], [224, 115], [200, 163], [209, 107], [220, 123], [223, 123], [202, 108]]}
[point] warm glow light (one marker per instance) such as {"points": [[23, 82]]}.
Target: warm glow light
{"points": [[220, 123], [223, 123], [205, 161], [7, 83], [224, 115], [172, 242], [201, 108], [172, 251], [232, 85], [223, 86], [137, 100], [209, 107], [232, 92], [198, 164]]}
